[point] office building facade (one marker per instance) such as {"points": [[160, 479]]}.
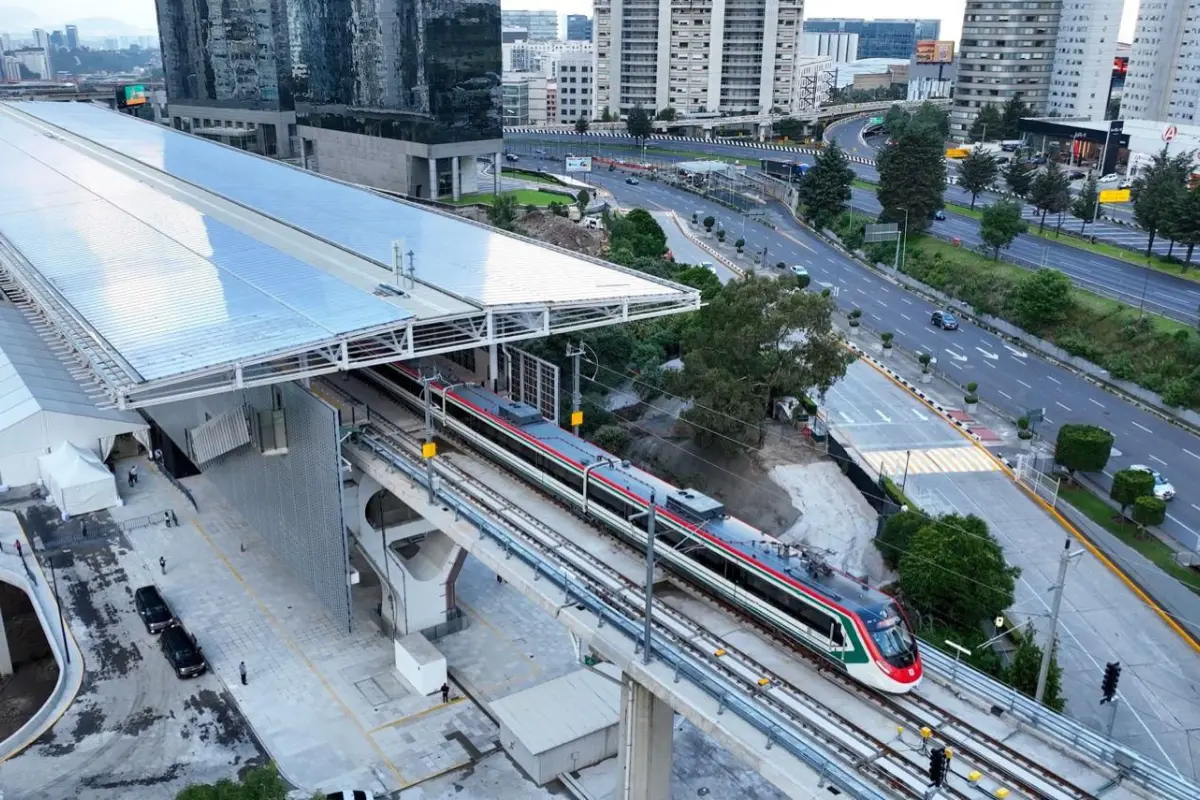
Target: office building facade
{"points": [[542, 25], [1083, 59], [1161, 83], [579, 28], [576, 86], [72, 37], [841, 47], [1007, 50], [880, 38], [386, 94], [737, 57]]}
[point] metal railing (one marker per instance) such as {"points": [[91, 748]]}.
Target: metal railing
{"points": [[1135, 767], [729, 697]]}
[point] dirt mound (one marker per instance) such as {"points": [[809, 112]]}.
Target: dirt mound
{"points": [[562, 232]]}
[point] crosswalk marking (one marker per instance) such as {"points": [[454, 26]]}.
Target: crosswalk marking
{"points": [[939, 460]]}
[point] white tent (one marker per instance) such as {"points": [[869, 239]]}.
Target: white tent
{"points": [[42, 405], [77, 481]]}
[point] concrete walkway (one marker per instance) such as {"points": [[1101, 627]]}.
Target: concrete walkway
{"points": [[26, 573]]}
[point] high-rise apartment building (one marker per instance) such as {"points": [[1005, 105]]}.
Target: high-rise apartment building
{"points": [[880, 38], [371, 91], [1007, 50], [738, 56], [1161, 83], [542, 25], [579, 28], [1083, 58], [576, 86], [72, 37]]}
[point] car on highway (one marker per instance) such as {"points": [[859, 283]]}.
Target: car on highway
{"points": [[182, 653], [1111, 177], [799, 271], [1163, 489], [944, 320], [155, 613], [939, 215], [632, 181], [511, 157]]}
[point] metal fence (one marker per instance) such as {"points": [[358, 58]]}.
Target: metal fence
{"points": [[1041, 483]]}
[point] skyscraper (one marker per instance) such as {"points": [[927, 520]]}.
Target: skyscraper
{"points": [[72, 37], [880, 38], [579, 28], [1160, 84], [733, 56], [542, 25], [371, 91], [1083, 58], [1003, 56]]}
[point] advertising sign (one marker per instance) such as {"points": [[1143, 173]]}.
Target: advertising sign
{"points": [[1114, 195], [935, 51], [957, 152], [582, 164], [131, 95]]}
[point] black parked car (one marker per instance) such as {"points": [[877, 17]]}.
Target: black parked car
{"points": [[632, 181], [182, 652], [155, 613], [944, 320]]}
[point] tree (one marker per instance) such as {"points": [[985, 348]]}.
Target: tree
{"points": [[1157, 189], [897, 532], [611, 439], [1041, 299], [503, 212], [582, 125], [1130, 484], [708, 224], [1149, 510], [1086, 204], [757, 340], [668, 114], [701, 278], [260, 783], [740, 244], [1018, 174], [912, 177], [1050, 192], [933, 116], [606, 116], [1001, 224], [582, 199], [638, 122], [1014, 109], [638, 233], [896, 120], [988, 120], [1185, 221], [1083, 447], [955, 570], [1022, 673], [977, 172], [818, 131], [825, 189], [790, 128]]}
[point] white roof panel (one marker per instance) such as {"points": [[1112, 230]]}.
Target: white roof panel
{"points": [[469, 261], [560, 711]]}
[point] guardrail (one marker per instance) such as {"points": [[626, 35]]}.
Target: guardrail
{"points": [[1133, 765], [727, 696]]}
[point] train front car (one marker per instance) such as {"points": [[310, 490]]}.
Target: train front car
{"points": [[895, 656]]}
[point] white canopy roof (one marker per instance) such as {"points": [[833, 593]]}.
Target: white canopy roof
{"points": [[77, 480]]}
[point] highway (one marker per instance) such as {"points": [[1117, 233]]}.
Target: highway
{"points": [[1113, 277], [1008, 377]]}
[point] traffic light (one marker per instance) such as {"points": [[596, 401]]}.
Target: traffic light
{"points": [[1112, 674], [937, 767]]}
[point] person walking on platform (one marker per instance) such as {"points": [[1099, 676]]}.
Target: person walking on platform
{"points": [[162, 564], [445, 693], [242, 672]]}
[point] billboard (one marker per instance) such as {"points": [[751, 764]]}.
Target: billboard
{"points": [[957, 152], [934, 51], [1114, 195], [579, 164], [131, 95]]}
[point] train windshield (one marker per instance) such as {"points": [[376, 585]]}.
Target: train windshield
{"points": [[894, 640]]}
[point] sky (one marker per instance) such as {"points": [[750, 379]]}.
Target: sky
{"points": [[140, 13]]}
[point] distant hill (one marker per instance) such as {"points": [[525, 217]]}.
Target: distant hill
{"points": [[107, 26], [18, 20]]}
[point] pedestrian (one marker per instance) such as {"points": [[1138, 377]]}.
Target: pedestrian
{"points": [[133, 475], [129, 478], [445, 693], [83, 529], [17, 542], [242, 672], [162, 564], [167, 518], [174, 518], [498, 578]]}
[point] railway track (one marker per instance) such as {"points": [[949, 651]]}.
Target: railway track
{"points": [[898, 765]]}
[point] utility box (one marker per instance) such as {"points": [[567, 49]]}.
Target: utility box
{"points": [[420, 663]]}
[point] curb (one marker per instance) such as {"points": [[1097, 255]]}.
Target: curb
{"points": [[741, 273]]}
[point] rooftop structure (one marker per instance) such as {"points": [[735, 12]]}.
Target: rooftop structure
{"points": [[879, 38], [177, 267]]}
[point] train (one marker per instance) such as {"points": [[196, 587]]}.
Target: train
{"points": [[787, 589]]}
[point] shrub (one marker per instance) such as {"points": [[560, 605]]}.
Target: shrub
{"points": [[925, 360], [887, 339], [1082, 447], [1130, 484], [721, 235], [740, 244], [708, 224], [612, 438], [856, 318], [1149, 510], [1023, 431]]}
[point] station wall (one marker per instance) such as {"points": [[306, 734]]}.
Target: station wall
{"points": [[294, 500]]}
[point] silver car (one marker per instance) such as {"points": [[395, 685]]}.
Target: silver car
{"points": [[1163, 489]]}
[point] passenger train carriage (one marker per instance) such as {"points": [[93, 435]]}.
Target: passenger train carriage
{"points": [[858, 629]]}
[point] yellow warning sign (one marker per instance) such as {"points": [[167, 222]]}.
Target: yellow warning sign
{"points": [[429, 449], [1114, 195], [576, 418], [957, 152]]}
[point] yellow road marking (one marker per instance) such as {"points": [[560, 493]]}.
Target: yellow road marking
{"points": [[417, 715]]}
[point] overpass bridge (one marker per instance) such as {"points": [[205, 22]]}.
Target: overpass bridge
{"points": [[213, 289]]}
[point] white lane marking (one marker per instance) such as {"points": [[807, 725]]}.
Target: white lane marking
{"points": [[860, 291], [956, 366], [1023, 383], [1060, 405], [1181, 524], [1016, 353], [845, 416], [883, 416], [1195, 506], [1006, 394], [990, 364], [1143, 427], [920, 416], [1156, 458], [988, 354], [876, 316], [877, 300], [907, 317], [906, 300], [1051, 378], [1106, 473], [900, 332], [926, 349], [1190, 453], [884, 290], [1096, 402]]}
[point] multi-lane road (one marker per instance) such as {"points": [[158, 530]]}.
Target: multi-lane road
{"points": [[1010, 378]]}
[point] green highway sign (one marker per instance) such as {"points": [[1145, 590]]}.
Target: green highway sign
{"points": [[876, 120]]}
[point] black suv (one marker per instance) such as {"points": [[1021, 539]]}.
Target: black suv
{"points": [[182, 652], [155, 613], [944, 320]]}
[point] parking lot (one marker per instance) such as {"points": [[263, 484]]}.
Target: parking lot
{"points": [[135, 729]]}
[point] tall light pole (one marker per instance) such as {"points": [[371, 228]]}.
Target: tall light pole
{"points": [[1044, 671]]}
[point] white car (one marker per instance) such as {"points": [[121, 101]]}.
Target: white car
{"points": [[1163, 489], [799, 270], [1111, 177]]}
